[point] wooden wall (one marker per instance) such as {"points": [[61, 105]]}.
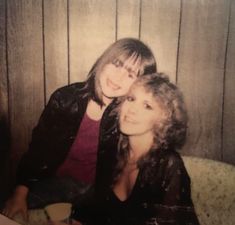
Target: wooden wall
{"points": [[45, 44]]}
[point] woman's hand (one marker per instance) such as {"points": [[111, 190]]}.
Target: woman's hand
{"points": [[17, 203]]}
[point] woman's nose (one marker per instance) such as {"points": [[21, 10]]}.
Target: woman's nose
{"points": [[133, 108], [122, 73]]}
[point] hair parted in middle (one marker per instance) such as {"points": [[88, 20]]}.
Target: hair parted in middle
{"points": [[122, 50]]}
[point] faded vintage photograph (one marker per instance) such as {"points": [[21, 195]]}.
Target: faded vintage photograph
{"points": [[117, 112]]}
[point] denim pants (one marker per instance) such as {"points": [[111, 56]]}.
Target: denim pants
{"points": [[55, 190]]}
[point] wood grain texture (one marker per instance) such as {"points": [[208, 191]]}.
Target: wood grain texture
{"points": [[128, 18], [229, 95], [3, 65], [4, 125], [25, 58], [92, 30], [160, 29], [201, 71], [56, 45]]}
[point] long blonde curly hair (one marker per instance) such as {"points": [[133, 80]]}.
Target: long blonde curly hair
{"points": [[171, 134]]}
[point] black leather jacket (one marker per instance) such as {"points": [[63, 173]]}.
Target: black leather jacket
{"points": [[161, 196], [56, 131]]}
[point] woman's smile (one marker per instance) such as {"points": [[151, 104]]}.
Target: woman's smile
{"points": [[112, 85], [129, 119]]}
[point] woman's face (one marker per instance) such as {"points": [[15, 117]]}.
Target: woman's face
{"points": [[117, 77], [140, 112]]}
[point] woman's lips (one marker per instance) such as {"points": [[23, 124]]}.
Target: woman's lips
{"points": [[128, 119], [112, 85]]}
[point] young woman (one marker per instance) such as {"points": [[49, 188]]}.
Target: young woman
{"points": [[74, 126], [149, 183]]}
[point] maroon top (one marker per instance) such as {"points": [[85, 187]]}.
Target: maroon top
{"points": [[81, 160]]}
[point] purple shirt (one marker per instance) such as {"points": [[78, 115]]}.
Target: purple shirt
{"points": [[81, 160]]}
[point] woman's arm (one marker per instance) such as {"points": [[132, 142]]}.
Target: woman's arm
{"points": [[176, 206], [30, 164]]}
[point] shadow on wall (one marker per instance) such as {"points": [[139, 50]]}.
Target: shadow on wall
{"points": [[4, 159]]}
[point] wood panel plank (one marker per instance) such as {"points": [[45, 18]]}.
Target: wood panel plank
{"points": [[92, 30], [3, 65], [56, 45], [25, 60], [4, 126], [229, 97], [128, 18], [201, 70], [160, 30]]}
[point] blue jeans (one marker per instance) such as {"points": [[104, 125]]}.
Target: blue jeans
{"points": [[55, 190]]}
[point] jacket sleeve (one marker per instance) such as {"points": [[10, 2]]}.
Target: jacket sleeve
{"points": [[176, 206], [33, 165]]}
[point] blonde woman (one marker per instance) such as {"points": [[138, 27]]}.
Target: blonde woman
{"points": [[149, 183]]}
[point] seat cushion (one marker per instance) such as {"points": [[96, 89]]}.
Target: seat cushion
{"points": [[213, 190]]}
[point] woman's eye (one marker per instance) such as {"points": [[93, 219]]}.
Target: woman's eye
{"points": [[130, 75], [147, 106], [117, 63], [129, 98]]}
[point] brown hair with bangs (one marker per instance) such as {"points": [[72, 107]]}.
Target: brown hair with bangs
{"points": [[121, 49]]}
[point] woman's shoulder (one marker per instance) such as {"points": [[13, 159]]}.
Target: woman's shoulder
{"points": [[172, 156], [71, 88], [68, 96], [169, 160], [174, 164], [68, 92]]}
